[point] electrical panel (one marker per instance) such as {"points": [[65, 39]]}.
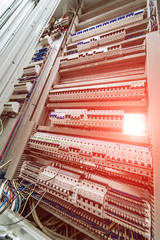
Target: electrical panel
{"points": [[89, 148]]}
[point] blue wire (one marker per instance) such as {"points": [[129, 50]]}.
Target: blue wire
{"points": [[129, 234], [19, 190], [122, 233], [22, 188], [4, 199], [23, 198], [4, 202], [94, 225], [16, 205], [28, 95], [12, 189], [2, 175], [118, 231], [5, 193]]}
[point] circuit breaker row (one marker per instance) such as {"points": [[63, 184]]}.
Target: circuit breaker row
{"points": [[101, 54], [109, 92], [109, 25], [130, 158], [76, 118], [103, 198], [104, 39]]}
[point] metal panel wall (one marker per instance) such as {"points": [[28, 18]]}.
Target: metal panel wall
{"points": [[153, 75]]}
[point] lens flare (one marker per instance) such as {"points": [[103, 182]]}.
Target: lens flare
{"points": [[134, 124]]}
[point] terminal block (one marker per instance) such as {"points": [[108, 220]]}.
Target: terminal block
{"points": [[114, 36], [40, 55], [104, 39], [99, 120], [108, 92], [87, 152], [98, 196], [23, 87], [11, 108], [102, 54], [109, 25], [33, 70], [46, 40]]}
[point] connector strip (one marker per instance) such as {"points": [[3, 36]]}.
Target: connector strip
{"points": [[33, 70], [109, 25], [99, 120], [104, 39], [90, 152], [100, 54], [23, 87], [108, 92], [11, 108]]}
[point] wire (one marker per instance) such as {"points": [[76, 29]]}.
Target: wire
{"points": [[5, 200], [28, 95], [46, 230], [10, 224], [27, 200], [92, 224], [19, 197], [5, 164], [48, 180], [8, 205], [17, 205], [68, 8], [16, 188], [1, 123]]}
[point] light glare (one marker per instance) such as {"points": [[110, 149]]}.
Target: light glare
{"points": [[134, 124]]}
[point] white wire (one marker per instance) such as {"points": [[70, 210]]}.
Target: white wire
{"points": [[5, 164], [1, 123], [34, 206], [46, 230], [9, 224], [19, 198]]}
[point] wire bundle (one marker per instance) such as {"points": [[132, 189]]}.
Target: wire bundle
{"points": [[68, 8], [15, 196], [46, 227]]}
